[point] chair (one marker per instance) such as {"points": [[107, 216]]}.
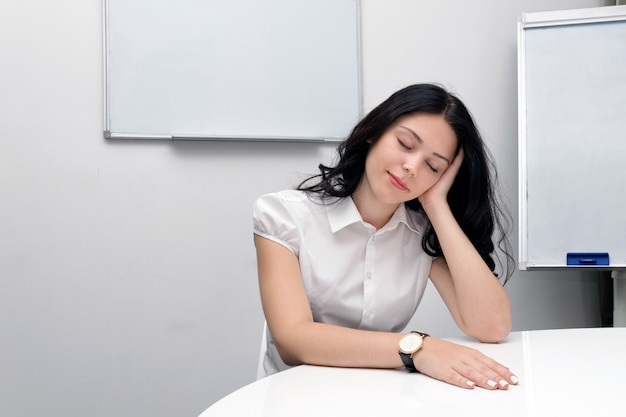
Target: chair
{"points": [[260, 373]]}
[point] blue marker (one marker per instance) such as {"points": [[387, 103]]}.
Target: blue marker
{"points": [[587, 259]]}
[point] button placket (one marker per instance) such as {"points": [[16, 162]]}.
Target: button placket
{"points": [[369, 291]]}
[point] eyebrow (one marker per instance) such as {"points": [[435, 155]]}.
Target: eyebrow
{"points": [[421, 141]]}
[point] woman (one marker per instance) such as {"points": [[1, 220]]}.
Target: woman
{"points": [[343, 261]]}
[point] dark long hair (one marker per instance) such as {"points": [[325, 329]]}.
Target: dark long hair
{"points": [[473, 197]]}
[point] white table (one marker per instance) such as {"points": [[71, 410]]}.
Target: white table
{"points": [[569, 372]]}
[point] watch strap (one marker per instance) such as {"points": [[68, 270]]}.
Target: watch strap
{"points": [[408, 362]]}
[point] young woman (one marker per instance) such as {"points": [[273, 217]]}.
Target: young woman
{"points": [[343, 261]]}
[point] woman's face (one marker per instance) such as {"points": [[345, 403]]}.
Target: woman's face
{"points": [[409, 158]]}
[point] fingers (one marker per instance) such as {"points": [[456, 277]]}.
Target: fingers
{"points": [[458, 159], [487, 373], [462, 366], [440, 189], [454, 167], [486, 380], [459, 380]]}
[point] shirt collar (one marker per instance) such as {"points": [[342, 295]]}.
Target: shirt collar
{"points": [[343, 212]]}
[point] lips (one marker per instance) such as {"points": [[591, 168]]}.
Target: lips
{"points": [[397, 182]]}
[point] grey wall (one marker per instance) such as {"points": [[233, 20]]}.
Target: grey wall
{"points": [[127, 270]]}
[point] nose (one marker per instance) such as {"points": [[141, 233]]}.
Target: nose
{"points": [[410, 166]]}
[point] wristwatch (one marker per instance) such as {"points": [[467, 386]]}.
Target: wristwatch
{"points": [[410, 344]]}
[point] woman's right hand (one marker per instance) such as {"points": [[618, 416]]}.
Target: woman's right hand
{"points": [[461, 366]]}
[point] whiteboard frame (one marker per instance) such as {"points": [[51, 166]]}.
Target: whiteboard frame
{"points": [[539, 20], [110, 134]]}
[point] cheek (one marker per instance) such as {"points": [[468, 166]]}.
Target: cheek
{"points": [[426, 183]]}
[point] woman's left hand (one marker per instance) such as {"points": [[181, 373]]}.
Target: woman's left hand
{"points": [[461, 366], [439, 191]]}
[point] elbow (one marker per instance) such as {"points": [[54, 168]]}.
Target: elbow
{"points": [[492, 329], [291, 344], [287, 355], [494, 332], [493, 337], [289, 360]]}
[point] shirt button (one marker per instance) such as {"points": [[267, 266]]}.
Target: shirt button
{"points": [[368, 275]]}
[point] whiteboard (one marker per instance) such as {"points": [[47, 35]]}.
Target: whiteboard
{"points": [[232, 69], [572, 136]]}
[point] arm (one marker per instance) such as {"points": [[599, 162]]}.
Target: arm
{"points": [[300, 340], [476, 299]]}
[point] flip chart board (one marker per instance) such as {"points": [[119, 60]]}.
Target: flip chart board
{"points": [[572, 138]]}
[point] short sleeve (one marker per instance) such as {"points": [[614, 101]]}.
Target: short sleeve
{"points": [[273, 219]]}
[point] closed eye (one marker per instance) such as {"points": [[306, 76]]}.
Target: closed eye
{"points": [[432, 168], [404, 145]]}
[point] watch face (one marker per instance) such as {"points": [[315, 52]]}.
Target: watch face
{"points": [[410, 343]]}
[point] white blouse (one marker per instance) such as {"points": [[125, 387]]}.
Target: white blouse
{"points": [[354, 275]]}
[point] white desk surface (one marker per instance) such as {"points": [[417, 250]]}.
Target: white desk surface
{"points": [[568, 372]]}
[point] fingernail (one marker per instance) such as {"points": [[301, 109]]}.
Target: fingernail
{"points": [[503, 383], [514, 379], [471, 383], [491, 383]]}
